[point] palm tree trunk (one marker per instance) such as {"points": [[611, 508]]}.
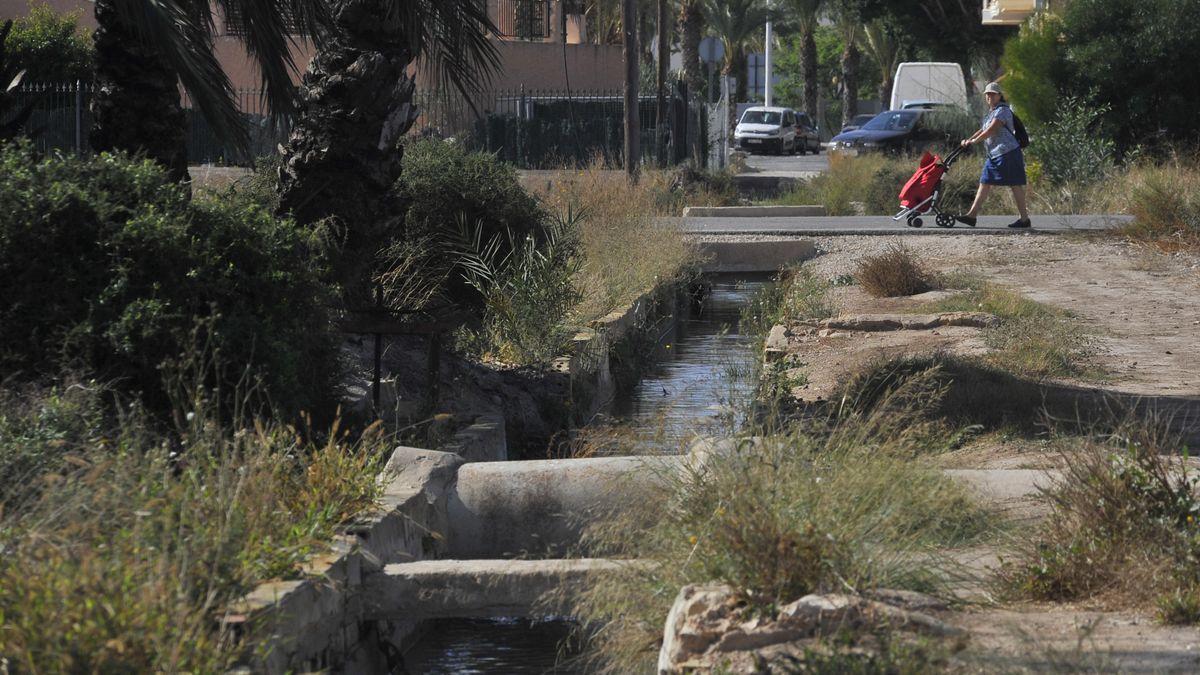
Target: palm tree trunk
{"points": [[344, 154], [808, 70], [850, 60], [735, 67], [691, 30], [633, 130], [885, 88], [664, 63], [136, 107]]}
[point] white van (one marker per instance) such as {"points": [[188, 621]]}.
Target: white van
{"points": [[928, 83]]}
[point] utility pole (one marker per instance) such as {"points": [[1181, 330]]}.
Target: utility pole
{"points": [[633, 154], [664, 63], [768, 65]]}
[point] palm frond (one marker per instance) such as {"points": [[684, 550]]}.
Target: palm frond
{"points": [[270, 28], [450, 38]]}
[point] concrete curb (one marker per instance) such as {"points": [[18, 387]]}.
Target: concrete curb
{"points": [[869, 232], [754, 211]]}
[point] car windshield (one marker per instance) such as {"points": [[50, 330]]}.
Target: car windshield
{"points": [[892, 121], [761, 117]]}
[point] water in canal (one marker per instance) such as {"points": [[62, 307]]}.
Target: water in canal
{"points": [[690, 389], [700, 376]]}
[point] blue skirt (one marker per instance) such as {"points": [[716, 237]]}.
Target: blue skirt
{"points": [[1007, 169]]}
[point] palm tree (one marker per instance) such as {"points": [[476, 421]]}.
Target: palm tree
{"points": [[806, 14], [847, 16], [737, 23], [885, 49], [146, 48], [691, 30], [344, 154]]}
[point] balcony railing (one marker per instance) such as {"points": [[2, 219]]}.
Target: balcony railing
{"points": [[523, 19]]}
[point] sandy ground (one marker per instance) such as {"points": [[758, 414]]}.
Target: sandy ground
{"points": [[1145, 308]]}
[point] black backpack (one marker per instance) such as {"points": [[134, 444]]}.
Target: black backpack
{"points": [[1019, 131]]}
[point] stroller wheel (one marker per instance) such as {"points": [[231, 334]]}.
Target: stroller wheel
{"points": [[915, 221], [945, 220]]}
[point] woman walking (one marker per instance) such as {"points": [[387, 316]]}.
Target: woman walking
{"points": [[1005, 164]]}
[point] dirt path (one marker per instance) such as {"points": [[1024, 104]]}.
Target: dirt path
{"points": [[1145, 309], [1144, 306]]}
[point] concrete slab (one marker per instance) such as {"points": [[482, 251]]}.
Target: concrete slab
{"points": [[754, 256], [541, 506], [479, 588], [860, 225]]}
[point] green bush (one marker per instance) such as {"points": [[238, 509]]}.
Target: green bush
{"points": [[50, 47], [1072, 148], [442, 185], [529, 292], [142, 540], [109, 268]]}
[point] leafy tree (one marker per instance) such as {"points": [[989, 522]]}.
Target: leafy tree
{"points": [[883, 42], [691, 30], [947, 30], [1145, 71], [50, 47], [848, 19], [1035, 67]]}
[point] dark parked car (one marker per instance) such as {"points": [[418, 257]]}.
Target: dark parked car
{"points": [[892, 131], [857, 121]]}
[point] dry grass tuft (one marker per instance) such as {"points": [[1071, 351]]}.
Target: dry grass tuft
{"points": [[895, 272], [1034, 340], [1165, 203], [824, 508], [626, 250]]}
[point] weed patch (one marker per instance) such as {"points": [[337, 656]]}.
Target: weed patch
{"points": [[820, 509], [1125, 528], [625, 250], [1034, 340], [123, 545]]}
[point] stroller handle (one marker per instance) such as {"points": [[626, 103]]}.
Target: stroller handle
{"points": [[949, 159]]}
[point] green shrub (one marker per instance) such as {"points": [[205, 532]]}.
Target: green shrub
{"points": [[50, 47], [1035, 63], [528, 289], [1125, 526], [442, 185], [109, 268], [1071, 148]]}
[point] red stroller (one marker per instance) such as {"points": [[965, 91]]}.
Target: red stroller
{"points": [[921, 192]]}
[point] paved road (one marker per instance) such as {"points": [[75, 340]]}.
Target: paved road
{"points": [[791, 166], [814, 226]]}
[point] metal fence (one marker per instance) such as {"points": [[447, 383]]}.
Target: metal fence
{"points": [[529, 128], [535, 128]]}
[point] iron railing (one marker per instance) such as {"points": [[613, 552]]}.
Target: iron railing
{"points": [[531, 128]]}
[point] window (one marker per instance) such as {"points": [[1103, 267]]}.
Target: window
{"points": [[892, 121], [761, 117]]}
